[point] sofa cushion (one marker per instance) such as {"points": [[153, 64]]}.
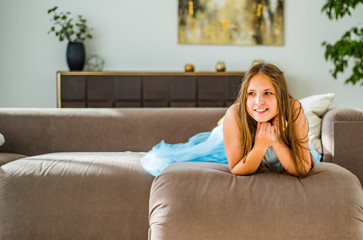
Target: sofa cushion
{"points": [[315, 107], [75, 196], [198, 200]]}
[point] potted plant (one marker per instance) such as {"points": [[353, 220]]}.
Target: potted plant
{"points": [[75, 33], [348, 51]]}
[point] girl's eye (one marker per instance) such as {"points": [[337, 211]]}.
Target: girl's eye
{"points": [[268, 93], [251, 93]]}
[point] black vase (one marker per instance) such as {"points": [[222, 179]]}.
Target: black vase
{"points": [[76, 55]]}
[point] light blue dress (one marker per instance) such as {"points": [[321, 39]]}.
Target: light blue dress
{"points": [[202, 147]]}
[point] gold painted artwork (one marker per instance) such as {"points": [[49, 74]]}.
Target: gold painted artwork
{"points": [[232, 22]]}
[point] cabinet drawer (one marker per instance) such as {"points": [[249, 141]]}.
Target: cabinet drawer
{"points": [[183, 88], [128, 88], [73, 88], [99, 88], [211, 87], [156, 88]]}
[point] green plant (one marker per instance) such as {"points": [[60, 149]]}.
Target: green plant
{"points": [[65, 29], [348, 51]]}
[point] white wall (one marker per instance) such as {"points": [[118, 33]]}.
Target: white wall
{"points": [[142, 36]]}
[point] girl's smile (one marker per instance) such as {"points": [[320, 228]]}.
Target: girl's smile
{"points": [[261, 98]]}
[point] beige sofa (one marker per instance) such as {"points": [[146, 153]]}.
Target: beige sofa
{"points": [[76, 174]]}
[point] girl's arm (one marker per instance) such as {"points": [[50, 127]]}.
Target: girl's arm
{"points": [[284, 154], [232, 142]]}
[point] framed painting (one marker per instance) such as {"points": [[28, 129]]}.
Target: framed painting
{"points": [[231, 22]]}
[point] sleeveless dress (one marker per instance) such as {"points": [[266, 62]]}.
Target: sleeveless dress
{"points": [[202, 147]]}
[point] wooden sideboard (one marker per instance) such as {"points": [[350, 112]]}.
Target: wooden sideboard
{"points": [[147, 89]]}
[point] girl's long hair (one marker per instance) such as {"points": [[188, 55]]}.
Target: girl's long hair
{"points": [[286, 115]]}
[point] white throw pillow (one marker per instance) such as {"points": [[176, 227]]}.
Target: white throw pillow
{"points": [[315, 107], [2, 139]]}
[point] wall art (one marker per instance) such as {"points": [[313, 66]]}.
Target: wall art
{"points": [[231, 22]]}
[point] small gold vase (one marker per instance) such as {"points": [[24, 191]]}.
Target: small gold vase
{"points": [[189, 67], [220, 66]]}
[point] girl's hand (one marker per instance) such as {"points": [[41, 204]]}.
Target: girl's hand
{"points": [[265, 134]]}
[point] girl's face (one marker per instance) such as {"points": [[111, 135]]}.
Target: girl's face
{"points": [[261, 98]]}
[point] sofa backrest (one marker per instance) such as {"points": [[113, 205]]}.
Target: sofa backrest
{"points": [[42, 130]]}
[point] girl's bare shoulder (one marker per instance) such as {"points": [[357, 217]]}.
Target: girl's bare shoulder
{"points": [[295, 103], [232, 111], [296, 107]]}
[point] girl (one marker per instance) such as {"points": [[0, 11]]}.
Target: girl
{"points": [[265, 127]]}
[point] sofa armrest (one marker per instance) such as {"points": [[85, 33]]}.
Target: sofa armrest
{"points": [[342, 138]]}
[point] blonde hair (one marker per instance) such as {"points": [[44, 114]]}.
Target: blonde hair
{"points": [[248, 125]]}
